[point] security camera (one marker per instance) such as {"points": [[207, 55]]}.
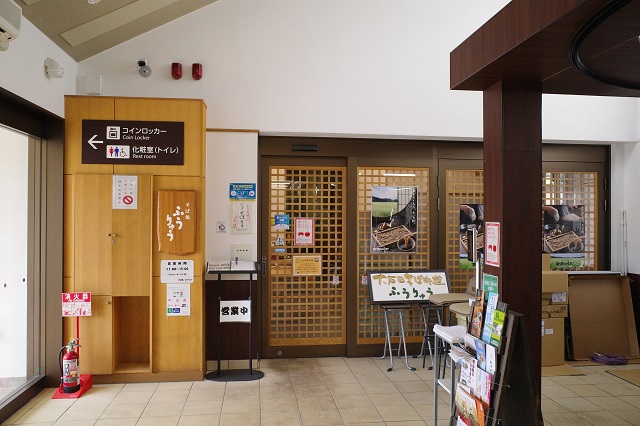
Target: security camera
{"points": [[143, 68]]}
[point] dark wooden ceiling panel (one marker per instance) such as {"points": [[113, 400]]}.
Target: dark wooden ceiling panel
{"points": [[530, 40]]}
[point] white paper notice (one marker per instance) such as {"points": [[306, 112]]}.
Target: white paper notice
{"points": [[125, 192], [492, 243], [178, 300]]}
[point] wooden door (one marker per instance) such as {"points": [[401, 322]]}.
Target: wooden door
{"points": [[305, 271], [92, 228], [131, 247]]}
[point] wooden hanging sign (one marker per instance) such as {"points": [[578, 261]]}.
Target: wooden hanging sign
{"points": [[176, 222]]}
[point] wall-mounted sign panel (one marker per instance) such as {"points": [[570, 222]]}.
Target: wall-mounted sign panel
{"points": [[132, 142], [242, 191], [125, 192], [176, 271], [76, 304], [178, 300], [307, 265], [176, 222]]}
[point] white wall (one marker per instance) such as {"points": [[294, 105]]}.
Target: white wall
{"points": [[334, 67], [625, 160], [225, 150], [22, 70]]}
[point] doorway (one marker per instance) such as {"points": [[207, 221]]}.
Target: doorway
{"points": [[304, 278]]}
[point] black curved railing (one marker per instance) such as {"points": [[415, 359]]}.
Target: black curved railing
{"points": [[585, 30]]}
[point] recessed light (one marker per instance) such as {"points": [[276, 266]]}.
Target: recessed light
{"points": [[93, 1]]}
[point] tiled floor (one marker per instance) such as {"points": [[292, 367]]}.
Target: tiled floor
{"points": [[322, 391]]}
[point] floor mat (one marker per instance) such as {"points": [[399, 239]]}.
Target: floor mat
{"points": [[631, 376], [561, 370]]}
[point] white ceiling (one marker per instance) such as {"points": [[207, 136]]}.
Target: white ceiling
{"points": [[83, 30]]}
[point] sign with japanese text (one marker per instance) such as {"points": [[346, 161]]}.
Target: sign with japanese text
{"points": [[235, 311], [176, 271], [304, 231], [241, 217], [242, 191], [406, 286], [178, 300], [132, 142], [176, 222], [281, 221], [492, 243], [307, 265], [76, 304], [125, 192]]}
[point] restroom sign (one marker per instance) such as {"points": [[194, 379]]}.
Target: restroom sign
{"points": [[132, 142]]}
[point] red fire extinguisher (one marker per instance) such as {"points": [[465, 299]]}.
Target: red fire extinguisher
{"points": [[69, 367]]}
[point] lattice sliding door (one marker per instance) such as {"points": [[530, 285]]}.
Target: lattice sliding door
{"points": [[462, 187], [307, 309], [576, 188], [371, 318]]}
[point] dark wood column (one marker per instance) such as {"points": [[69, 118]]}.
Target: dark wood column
{"points": [[513, 196]]}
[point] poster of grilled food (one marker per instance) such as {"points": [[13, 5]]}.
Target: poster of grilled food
{"points": [[394, 219], [563, 234]]}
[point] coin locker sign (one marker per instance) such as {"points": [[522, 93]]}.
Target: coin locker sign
{"points": [[132, 142]]}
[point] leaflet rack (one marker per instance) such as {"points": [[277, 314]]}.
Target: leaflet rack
{"points": [[514, 398]]}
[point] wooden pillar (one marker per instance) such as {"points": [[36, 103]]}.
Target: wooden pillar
{"points": [[513, 197]]}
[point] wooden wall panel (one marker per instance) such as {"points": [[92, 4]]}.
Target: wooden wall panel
{"points": [[68, 246], [129, 330], [177, 341]]}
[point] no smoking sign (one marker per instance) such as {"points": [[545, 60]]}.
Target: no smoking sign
{"points": [[125, 192]]}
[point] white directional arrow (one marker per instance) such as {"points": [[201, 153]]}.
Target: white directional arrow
{"points": [[91, 142]]}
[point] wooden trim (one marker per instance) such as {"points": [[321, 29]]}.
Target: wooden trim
{"points": [[164, 376], [213, 129]]}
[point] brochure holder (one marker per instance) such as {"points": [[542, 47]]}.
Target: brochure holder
{"points": [[514, 398]]}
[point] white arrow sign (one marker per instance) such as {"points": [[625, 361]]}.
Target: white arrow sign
{"points": [[91, 141]]}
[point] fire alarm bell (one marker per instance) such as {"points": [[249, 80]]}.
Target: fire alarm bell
{"points": [[176, 70], [196, 71]]}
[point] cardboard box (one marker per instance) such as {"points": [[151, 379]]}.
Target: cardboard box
{"points": [[555, 311], [602, 317], [546, 262], [559, 298], [552, 342], [555, 282]]}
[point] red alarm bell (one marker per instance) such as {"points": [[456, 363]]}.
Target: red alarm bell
{"points": [[176, 70], [196, 71]]}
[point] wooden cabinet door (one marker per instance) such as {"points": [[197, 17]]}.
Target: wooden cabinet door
{"points": [[131, 255], [91, 236], [96, 331]]}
